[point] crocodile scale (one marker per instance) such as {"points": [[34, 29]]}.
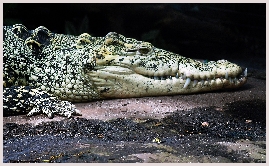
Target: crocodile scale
{"points": [[43, 72]]}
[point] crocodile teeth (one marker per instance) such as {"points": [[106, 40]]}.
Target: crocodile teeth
{"points": [[156, 78], [202, 82], [235, 80], [177, 76], [194, 83], [188, 81], [183, 76], [226, 76], [246, 72]]}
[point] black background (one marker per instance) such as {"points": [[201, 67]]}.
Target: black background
{"points": [[236, 32]]}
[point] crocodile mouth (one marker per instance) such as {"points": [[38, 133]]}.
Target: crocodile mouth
{"points": [[235, 79], [123, 82]]}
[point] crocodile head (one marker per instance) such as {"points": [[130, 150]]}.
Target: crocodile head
{"points": [[82, 68], [125, 67]]}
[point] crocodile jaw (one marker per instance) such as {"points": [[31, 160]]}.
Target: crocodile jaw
{"points": [[122, 82], [125, 67]]}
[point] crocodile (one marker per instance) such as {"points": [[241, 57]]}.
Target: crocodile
{"points": [[45, 72]]}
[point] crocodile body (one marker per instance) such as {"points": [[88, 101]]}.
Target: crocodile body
{"points": [[45, 71]]}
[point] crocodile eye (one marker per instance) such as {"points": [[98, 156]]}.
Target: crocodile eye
{"points": [[42, 37], [21, 31], [144, 50]]}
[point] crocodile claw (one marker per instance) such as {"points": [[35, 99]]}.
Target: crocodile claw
{"points": [[62, 108], [35, 101]]}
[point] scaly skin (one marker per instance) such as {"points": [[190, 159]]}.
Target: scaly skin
{"points": [[39, 65]]}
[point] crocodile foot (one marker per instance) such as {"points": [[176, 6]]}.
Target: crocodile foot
{"points": [[35, 101]]}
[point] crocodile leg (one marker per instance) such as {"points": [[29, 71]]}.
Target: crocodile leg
{"points": [[31, 101]]}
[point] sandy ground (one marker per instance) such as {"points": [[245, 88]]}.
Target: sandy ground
{"points": [[149, 129], [156, 107]]}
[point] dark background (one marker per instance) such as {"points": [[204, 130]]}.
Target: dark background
{"points": [[236, 32]]}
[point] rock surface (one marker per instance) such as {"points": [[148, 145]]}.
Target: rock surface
{"points": [[227, 126]]}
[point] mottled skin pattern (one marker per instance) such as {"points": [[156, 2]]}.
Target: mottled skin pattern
{"points": [[42, 69]]}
